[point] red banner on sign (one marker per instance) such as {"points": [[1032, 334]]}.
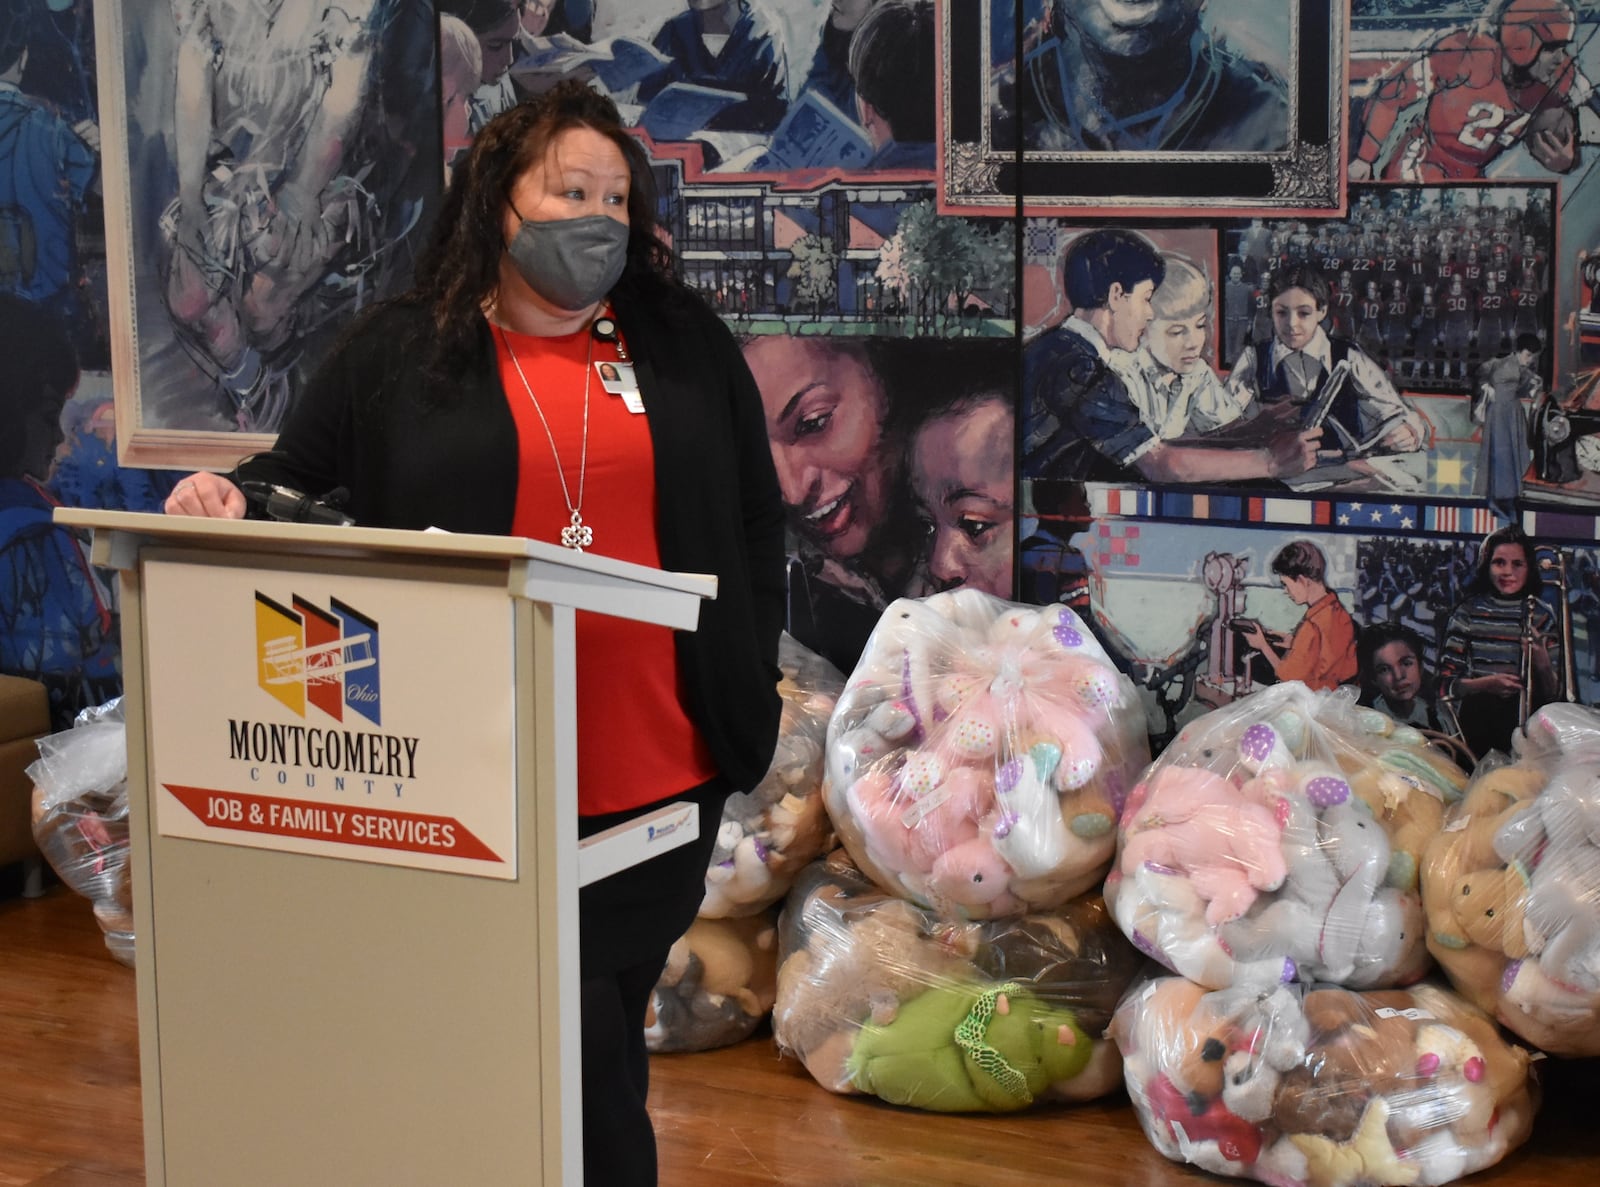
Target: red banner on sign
{"points": [[375, 828]]}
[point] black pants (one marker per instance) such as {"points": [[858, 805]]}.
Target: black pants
{"points": [[626, 925], [619, 1144]]}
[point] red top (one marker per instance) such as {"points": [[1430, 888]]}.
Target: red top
{"points": [[636, 743]]}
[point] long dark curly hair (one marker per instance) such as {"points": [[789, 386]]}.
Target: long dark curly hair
{"points": [[460, 268]]}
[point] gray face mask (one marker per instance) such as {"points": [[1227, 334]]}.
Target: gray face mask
{"points": [[570, 262]]}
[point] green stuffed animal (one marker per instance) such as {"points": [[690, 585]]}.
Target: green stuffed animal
{"points": [[959, 1048]]}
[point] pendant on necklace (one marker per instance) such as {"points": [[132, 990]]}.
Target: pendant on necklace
{"points": [[578, 535]]}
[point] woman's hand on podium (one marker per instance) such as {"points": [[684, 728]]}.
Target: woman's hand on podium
{"points": [[206, 494]]}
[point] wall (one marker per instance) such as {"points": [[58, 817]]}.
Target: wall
{"points": [[901, 298]]}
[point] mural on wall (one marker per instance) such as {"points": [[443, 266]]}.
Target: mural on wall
{"points": [[1119, 380], [883, 198], [793, 150], [1566, 424], [1398, 350], [894, 456], [787, 90], [1460, 92], [58, 615], [272, 170], [1331, 594], [1430, 294], [1093, 105]]}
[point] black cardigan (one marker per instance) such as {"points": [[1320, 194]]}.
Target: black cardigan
{"points": [[414, 459]]}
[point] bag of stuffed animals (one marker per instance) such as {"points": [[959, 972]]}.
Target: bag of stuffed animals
{"points": [[1329, 1087], [80, 817], [980, 755], [772, 832], [718, 986], [1279, 839], [878, 996], [1512, 886]]}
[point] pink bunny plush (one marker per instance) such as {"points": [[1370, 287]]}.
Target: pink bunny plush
{"points": [[972, 880], [908, 833], [963, 686], [1196, 822]]}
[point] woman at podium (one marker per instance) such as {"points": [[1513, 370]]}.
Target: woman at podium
{"points": [[475, 403]]}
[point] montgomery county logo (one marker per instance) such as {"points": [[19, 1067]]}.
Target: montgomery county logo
{"points": [[325, 658]]}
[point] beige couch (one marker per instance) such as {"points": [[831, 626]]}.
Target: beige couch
{"points": [[24, 716]]}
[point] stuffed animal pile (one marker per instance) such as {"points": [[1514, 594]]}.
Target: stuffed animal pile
{"points": [[80, 817], [718, 986], [980, 755], [1322, 1088], [719, 980], [878, 996], [1512, 886], [1279, 839], [772, 832]]}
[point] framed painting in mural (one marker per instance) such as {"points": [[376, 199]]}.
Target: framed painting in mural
{"points": [[1068, 107], [268, 170]]}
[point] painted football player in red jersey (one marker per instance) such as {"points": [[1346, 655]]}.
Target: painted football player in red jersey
{"points": [[1482, 91]]}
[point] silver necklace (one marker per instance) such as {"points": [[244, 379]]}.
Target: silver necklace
{"points": [[577, 535]]}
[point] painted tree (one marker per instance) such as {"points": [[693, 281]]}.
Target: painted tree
{"points": [[891, 273], [814, 268], [946, 260], [921, 234]]}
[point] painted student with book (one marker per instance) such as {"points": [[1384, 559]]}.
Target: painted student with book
{"points": [[732, 46], [1098, 396], [1333, 383]]}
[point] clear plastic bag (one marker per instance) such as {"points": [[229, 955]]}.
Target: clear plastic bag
{"points": [[878, 996], [80, 817], [1278, 839], [1512, 886], [772, 832], [1327, 1086], [719, 984], [981, 753]]}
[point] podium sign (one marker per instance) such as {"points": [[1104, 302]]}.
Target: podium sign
{"points": [[352, 788], [346, 717]]}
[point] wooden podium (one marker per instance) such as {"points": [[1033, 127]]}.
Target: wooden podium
{"points": [[352, 774]]}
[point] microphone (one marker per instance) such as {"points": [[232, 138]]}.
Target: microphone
{"points": [[292, 506]]}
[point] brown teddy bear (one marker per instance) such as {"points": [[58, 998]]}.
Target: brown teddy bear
{"points": [[1355, 1055], [768, 834], [1173, 1032], [1478, 889], [1409, 1086]]}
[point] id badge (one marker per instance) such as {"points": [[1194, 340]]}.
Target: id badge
{"points": [[618, 379]]}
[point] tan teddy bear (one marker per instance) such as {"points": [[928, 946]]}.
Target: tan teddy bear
{"points": [[849, 955], [718, 985], [1410, 814], [1471, 899], [1488, 906]]}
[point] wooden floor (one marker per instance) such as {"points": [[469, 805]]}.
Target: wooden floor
{"points": [[69, 1101]]}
